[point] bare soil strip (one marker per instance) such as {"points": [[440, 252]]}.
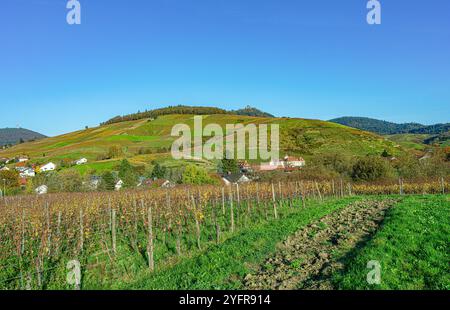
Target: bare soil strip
{"points": [[307, 259]]}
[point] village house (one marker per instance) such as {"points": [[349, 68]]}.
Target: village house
{"points": [[272, 165], [4, 169], [28, 173], [47, 167], [158, 183], [118, 185], [41, 190], [294, 162], [81, 161], [22, 159], [235, 178]]}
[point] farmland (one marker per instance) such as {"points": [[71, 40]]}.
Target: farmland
{"points": [[214, 237], [142, 141]]}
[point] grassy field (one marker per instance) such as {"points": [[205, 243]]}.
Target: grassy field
{"points": [[412, 247]]}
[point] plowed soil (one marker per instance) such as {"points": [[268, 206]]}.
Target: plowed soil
{"points": [[307, 259]]}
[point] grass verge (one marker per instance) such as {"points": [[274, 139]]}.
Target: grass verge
{"points": [[411, 247]]}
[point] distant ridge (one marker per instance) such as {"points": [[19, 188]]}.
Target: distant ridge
{"points": [[389, 128], [11, 136]]}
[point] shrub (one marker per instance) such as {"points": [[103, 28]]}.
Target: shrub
{"points": [[371, 168], [196, 176]]}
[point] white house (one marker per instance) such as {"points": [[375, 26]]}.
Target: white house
{"points": [[4, 169], [81, 161], [47, 167], [236, 178], [41, 190], [118, 185], [29, 172], [272, 165], [294, 162], [22, 159]]}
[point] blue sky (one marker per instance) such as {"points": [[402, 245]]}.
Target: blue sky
{"points": [[299, 58]]}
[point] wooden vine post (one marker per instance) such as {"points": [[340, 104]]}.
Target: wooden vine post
{"points": [[197, 224], [274, 202], [151, 262], [318, 190], [231, 211], [113, 230]]}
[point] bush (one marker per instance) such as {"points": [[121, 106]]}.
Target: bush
{"points": [[196, 176], [71, 180], [371, 168]]}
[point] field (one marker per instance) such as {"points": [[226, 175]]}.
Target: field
{"points": [[143, 141], [236, 237]]}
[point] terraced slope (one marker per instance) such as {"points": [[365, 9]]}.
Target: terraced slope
{"points": [[144, 140]]}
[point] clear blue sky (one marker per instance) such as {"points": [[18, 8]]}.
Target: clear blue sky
{"points": [[300, 58]]}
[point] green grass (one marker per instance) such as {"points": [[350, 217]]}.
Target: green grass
{"points": [[412, 247], [223, 266], [98, 167]]}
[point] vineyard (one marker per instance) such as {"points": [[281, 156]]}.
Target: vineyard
{"points": [[114, 236]]}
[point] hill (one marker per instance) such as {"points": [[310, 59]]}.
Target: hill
{"points": [[145, 140], [409, 135], [377, 126], [11, 136], [188, 110]]}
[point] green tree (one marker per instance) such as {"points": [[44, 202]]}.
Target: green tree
{"points": [[108, 182], [159, 171], [228, 165], [196, 176], [127, 174]]}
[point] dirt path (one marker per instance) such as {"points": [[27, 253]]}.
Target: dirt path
{"points": [[307, 259]]}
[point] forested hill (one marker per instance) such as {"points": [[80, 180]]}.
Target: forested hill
{"points": [[181, 109], [389, 128], [11, 136]]}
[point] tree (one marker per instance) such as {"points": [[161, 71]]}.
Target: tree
{"points": [[159, 171], [228, 166], [127, 174], [108, 182], [386, 154], [11, 179], [196, 176], [71, 180], [115, 151]]}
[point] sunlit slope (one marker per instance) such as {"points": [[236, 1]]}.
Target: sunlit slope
{"points": [[144, 140]]}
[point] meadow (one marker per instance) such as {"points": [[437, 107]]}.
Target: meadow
{"points": [[188, 237]]}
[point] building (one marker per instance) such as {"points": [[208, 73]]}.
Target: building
{"points": [[294, 162], [41, 190], [4, 169], [22, 159], [81, 161], [158, 183], [47, 167], [235, 178], [272, 165], [28, 173], [118, 185]]}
